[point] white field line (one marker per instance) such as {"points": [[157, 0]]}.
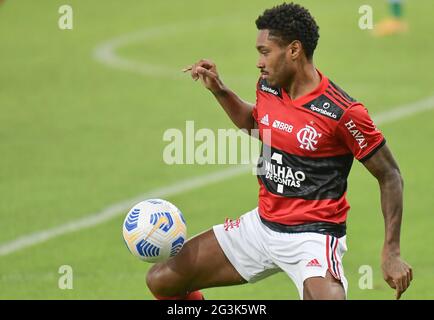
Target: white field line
{"points": [[94, 219], [116, 209], [105, 52], [403, 111]]}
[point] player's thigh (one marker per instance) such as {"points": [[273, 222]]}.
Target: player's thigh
{"points": [[319, 288], [200, 264]]}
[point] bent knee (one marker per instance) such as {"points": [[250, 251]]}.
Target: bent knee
{"points": [[163, 282], [328, 288]]}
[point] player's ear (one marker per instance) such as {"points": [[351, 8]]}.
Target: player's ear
{"points": [[294, 49]]}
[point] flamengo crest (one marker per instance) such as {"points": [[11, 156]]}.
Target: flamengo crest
{"points": [[308, 138]]}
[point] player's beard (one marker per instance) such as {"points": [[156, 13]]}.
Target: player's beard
{"points": [[279, 75]]}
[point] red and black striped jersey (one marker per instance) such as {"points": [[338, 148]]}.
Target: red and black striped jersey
{"points": [[308, 146]]}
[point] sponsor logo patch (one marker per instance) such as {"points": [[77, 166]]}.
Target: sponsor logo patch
{"points": [[324, 106], [263, 86], [323, 110], [358, 136], [269, 90], [282, 126]]}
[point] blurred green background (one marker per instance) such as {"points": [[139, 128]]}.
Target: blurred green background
{"points": [[83, 112]]}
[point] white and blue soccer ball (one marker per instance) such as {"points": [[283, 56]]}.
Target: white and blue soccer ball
{"points": [[154, 230]]}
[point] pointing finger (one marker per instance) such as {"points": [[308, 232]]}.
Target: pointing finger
{"points": [[187, 69], [405, 283], [193, 72], [398, 288]]}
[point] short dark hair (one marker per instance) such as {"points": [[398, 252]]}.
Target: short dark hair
{"points": [[291, 22]]}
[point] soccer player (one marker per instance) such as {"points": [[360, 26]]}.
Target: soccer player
{"points": [[299, 225], [393, 24]]}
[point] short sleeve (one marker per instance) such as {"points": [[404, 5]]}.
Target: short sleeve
{"points": [[359, 133]]}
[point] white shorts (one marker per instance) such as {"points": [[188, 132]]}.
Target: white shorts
{"points": [[257, 252]]}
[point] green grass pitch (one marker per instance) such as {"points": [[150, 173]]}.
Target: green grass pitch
{"points": [[77, 135]]}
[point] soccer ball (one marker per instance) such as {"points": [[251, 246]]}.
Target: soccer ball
{"points": [[154, 230]]}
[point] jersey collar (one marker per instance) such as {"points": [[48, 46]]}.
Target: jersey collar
{"points": [[319, 90]]}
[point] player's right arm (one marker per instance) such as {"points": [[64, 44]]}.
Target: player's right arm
{"points": [[238, 110], [368, 145]]}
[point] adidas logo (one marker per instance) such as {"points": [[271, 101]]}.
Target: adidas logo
{"points": [[264, 120], [313, 263]]}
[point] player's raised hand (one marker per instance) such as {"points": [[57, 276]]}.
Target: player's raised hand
{"points": [[397, 273], [206, 71]]}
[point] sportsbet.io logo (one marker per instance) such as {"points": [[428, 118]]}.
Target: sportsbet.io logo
{"points": [[269, 90], [324, 110]]}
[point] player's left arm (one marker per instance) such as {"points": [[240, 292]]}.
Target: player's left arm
{"points": [[396, 272], [368, 145]]}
